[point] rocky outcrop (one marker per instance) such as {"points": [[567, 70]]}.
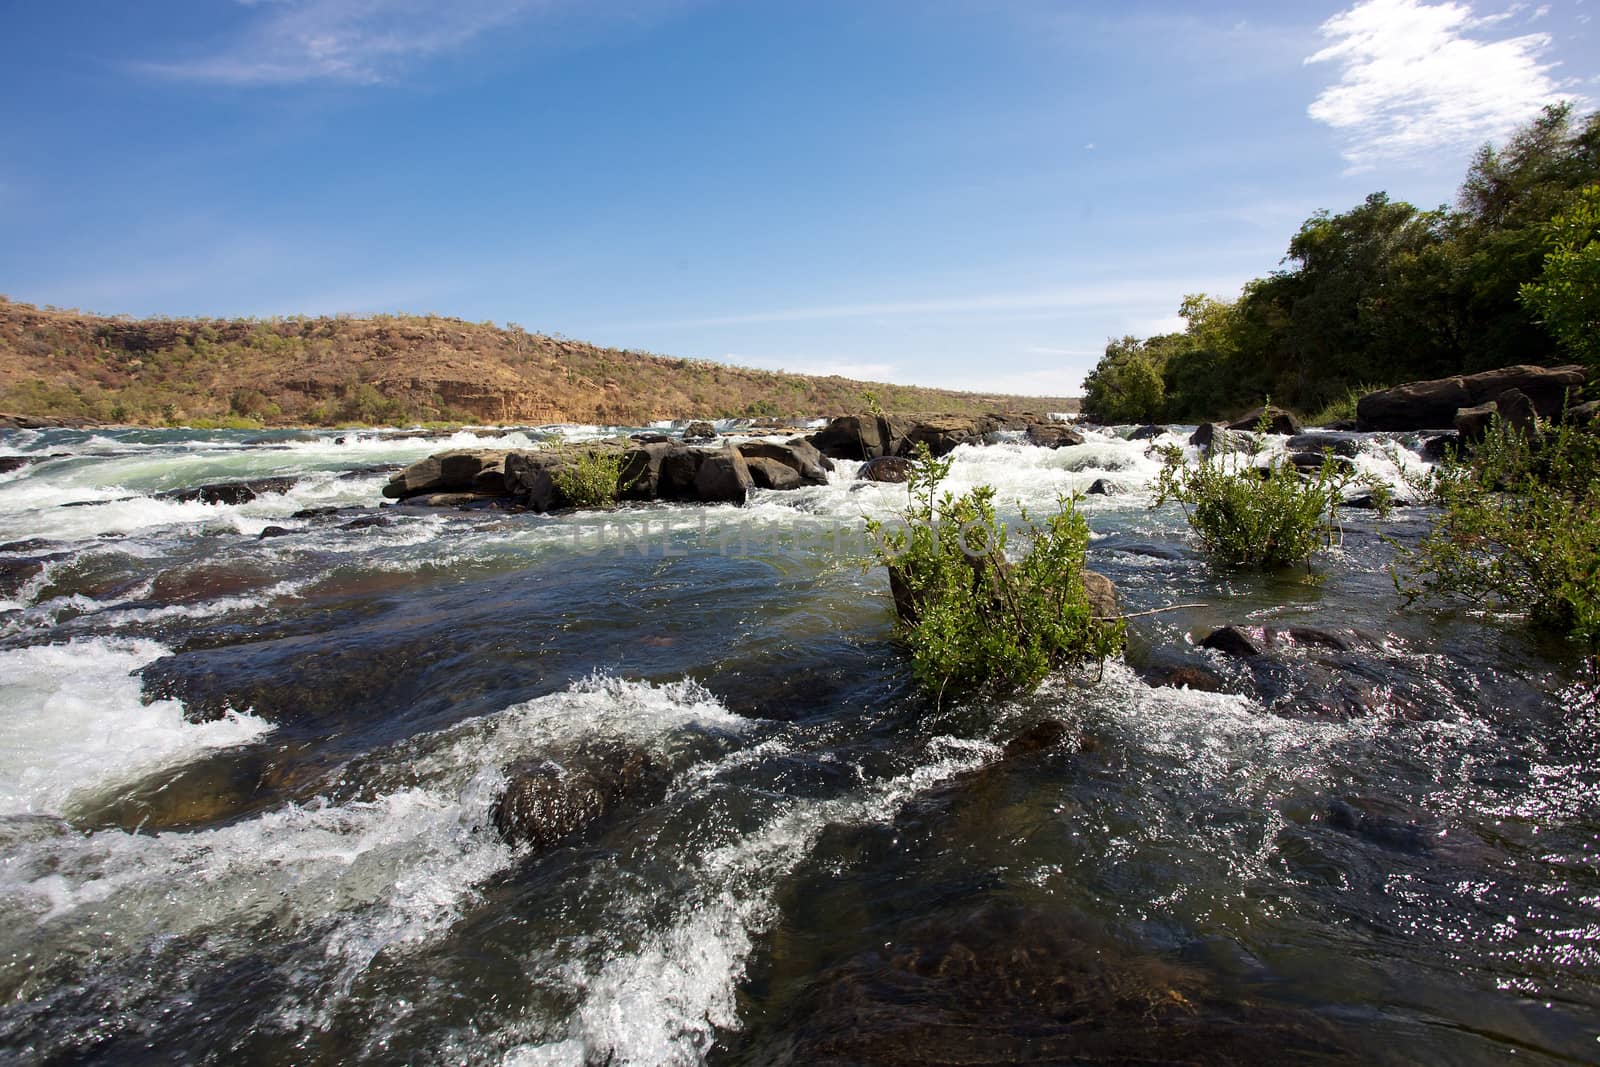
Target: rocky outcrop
{"points": [[862, 437], [1278, 421], [1433, 404], [1338, 444], [699, 431], [229, 492], [1053, 435], [770, 474], [1513, 407]]}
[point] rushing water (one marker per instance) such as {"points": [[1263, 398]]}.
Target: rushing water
{"points": [[245, 787]]}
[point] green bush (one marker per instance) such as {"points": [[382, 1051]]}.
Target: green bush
{"points": [[1262, 517], [589, 478], [1519, 528], [972, 619]]}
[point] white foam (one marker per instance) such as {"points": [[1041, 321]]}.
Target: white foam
{"points": [[71, 719]]}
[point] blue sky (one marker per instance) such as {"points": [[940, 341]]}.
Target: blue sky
{"points": [[949, 193]]}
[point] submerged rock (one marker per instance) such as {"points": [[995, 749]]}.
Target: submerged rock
{"points": [[544, 802], [1233, 641]]}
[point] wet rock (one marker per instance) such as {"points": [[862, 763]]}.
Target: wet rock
{"points": [[1279, 421], [273, 531], [368, 471], [1370, 502], [1040, 737], [680, 472], [1148, 433], [1186, 676], [229, 492], [1053, 435], [12, 463], [1233, 641], [1104, 487], [452, 500], [1212, 435], [474, 469], [723, 478], [885, 469], [17, 572], [649, 438], [1313, 461], [1433, 404], [544, 803], [805, 461], [1583, 415], [1102, 594], [770, 474], [640, 475], [1338, 444], [1436, 446], [699, 431], [31, 544]]}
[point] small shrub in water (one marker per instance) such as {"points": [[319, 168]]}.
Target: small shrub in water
{"points": [[1262, 517], [589, 478], [1519, 528], [972, 619]]}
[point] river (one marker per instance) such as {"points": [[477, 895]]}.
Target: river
{"points": [[245, 786]]}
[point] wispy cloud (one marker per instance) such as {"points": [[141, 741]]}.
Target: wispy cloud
{"points": [[1110, 295], [1412, 80], [362, 42]]}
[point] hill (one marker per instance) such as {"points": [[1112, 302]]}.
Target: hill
{"points": [[397, 369]]}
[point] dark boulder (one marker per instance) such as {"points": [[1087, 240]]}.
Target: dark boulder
{"points": [[805, 461], [885, 469], [12, 463], [1437, 446], [17, 572], [1313, 461], [1518, 411], [273, 531], [1036, 739], [230, 492], [1338, 444], [367, 522], [1234, 641], [723, 478], [699, 431], [1147, 433], [640, 476], [1103, 487], [856, 437], [770, 474], [475, 469], [1053, 435], [1278, 421], [1212, 435]]}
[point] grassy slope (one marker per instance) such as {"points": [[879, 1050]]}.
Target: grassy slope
{"points": [[396, 369]]}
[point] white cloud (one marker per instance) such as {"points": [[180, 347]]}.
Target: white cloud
{"points": [[360, 41], [1413, 81]]}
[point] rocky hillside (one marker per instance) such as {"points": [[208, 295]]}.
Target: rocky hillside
{"points": [[395, 369]]}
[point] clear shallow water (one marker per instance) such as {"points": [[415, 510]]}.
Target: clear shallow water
{"points": [[1386, 854]]}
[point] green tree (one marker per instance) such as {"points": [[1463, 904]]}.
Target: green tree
{"points": [[1126, 385], [1566, 295]]}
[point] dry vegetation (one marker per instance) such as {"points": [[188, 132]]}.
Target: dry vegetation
{"points": [[395, 370]]}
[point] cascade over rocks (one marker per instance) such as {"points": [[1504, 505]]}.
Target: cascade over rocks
{"points": [[862, 437], [1208, 435], [1433, 405], [885, 469], [545, 802], [699, 431], [241, 492]]}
